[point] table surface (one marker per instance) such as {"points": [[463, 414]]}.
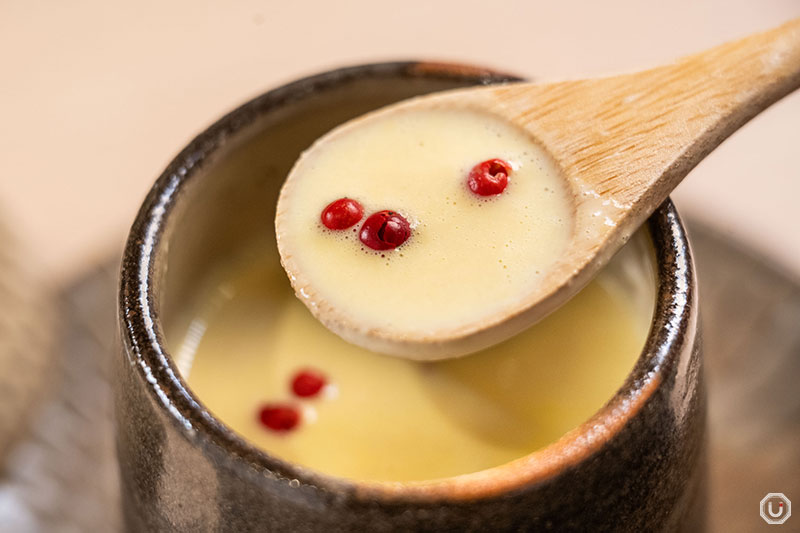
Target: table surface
{"points": [[98, 96]]}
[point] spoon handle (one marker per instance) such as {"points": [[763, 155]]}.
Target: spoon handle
{"points": [[634, 137]]}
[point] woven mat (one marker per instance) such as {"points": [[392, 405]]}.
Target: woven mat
{"points": [[63, 477]]}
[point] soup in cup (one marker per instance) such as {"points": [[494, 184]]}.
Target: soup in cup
{"points": [[592, 419]]}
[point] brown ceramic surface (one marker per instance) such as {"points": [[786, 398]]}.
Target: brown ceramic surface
{"points": [[637, 465]]}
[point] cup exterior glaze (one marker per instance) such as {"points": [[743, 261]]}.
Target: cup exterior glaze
{"points": [[637, 465]]}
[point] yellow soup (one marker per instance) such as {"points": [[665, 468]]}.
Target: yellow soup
{"points": [[384, 418], [469, 257]]}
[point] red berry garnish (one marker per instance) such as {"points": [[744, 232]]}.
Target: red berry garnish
{"points": [[342, 213], [308, 383], [489, 178], [385, 230], [279, 417]]}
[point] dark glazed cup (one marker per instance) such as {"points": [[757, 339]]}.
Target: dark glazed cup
{"points": [[637, 465]]}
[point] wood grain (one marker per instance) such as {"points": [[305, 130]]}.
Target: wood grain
{"points": [[634, 137]]}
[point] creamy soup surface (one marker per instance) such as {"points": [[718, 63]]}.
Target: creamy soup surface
{"points": [[385, 418], [468, 257]]}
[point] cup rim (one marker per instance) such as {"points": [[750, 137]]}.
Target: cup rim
{"points": [[140, 328]]}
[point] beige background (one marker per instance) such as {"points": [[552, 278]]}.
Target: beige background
{"points": [[97, 96]]}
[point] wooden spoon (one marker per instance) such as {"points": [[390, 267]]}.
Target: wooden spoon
{"points": [[622, 144]]}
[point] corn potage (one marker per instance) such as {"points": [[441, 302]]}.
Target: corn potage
{"points": [[385, 418]]}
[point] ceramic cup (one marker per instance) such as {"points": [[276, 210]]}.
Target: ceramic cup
{"points": [[637, 465]]}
